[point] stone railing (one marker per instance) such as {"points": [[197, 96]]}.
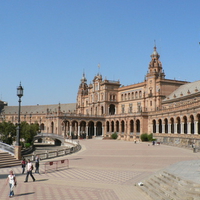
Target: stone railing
{"points": [[7, 148], [56, 153]]}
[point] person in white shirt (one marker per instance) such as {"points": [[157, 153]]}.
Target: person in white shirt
{"points": [[29, 170], [12, 182]]}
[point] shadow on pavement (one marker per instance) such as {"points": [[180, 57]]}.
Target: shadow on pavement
{"points": [[42, 180], [23, 194]]}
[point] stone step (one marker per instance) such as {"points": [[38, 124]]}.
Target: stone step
{"points": [[165, 186], [152, 192], [7, 160]]}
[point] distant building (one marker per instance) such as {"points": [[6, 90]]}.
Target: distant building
{"points": [[169, 109]]}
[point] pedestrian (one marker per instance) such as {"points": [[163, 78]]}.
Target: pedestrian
{"points": [[37, 164], [12, 182], [23, 165], [29, 171]]}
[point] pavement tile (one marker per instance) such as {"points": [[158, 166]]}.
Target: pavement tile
{"points": [[103, 170]]}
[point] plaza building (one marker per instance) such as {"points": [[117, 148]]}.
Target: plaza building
{"points": [[168, 108]]}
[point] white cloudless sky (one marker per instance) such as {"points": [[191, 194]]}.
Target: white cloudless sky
{"points": [[47, 44]]}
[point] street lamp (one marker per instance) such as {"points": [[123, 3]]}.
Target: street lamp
{"points": [[18, 147]]}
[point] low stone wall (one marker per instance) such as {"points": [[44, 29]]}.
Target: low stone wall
{"points": [[179, 141]]}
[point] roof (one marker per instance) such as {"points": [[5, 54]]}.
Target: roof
{"points": [[185, 90], [40, 108]]}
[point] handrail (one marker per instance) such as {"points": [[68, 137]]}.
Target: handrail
{"points": [[8, 148]]}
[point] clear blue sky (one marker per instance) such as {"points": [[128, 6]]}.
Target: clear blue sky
{"points": [[46, 44]]}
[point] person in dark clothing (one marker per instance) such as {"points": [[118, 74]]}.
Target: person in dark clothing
{"points": [[37, 164], [23, 165]]}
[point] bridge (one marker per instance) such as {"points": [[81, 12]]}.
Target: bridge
{"points": [[59, 140]]}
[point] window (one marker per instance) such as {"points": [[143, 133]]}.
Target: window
{"points": [[123, 110]]}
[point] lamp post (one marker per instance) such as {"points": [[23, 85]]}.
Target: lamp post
{"points": [[18, 147]]}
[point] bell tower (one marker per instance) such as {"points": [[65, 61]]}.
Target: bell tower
{"points": [[82, 95], [155, 66], [153, 79]]}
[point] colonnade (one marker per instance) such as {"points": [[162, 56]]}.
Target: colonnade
{"points": [[178, 125]]}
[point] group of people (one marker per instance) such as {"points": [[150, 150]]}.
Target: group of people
{"points": [[28, 165]]}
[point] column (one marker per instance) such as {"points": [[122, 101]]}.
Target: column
{"points": [[175, 128], [152, 128], [102, 130], [157, 128], [79, 131], [163, 128], [70, 130], [86, 130], [95, 131], [182, 128], [189, 128], [169, 128], [196, 127]]}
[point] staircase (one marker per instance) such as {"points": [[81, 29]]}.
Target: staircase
{"points": [[166, 186], [7, 160]]}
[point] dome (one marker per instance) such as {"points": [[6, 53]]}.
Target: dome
{"points": [[155, 53]]}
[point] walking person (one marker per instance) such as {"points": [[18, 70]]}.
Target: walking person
{"points": [[37, 164], [23, 165], [12, 182], [29, 171]]}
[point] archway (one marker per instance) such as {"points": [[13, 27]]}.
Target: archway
{"points": [[107, 126], [192, 124], [178, 125], [90, 129], [131, 126], [112, 126], [117, 126], [172, 125], [99, 129], [154, 126], [160, 125], [74, 132], [83, 129], [52, 127], [137, 126], [198, 125], [166, 125], [185, 124], [122, 126]]}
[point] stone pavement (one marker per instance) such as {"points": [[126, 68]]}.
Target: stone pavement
{"points": [[102, 170]]}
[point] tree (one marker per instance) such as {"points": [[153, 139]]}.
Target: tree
{"points": [[8, 132], [28, 131]]}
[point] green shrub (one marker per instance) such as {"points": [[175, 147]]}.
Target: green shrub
{"points": [[147, 137], [150, 137], [27, 145], [114, 136], [144, 137]]}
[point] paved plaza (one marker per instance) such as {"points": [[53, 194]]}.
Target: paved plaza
{"points": [[103, 170]]}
